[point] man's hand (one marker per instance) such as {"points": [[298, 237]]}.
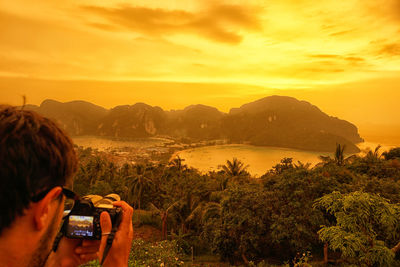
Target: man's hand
{"points": [[73, 252], [118, 255]]}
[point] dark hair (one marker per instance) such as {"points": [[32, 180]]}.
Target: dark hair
{"points": [[35, 155]]}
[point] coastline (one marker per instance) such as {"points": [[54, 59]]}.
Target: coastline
{"points": [[163, 149]]}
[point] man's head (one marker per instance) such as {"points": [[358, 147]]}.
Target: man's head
{"points": [[35, 156]]}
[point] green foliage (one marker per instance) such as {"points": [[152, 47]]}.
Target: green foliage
{"points": [[285, 164], [94, 263], [302, 260], [339, 154], [177, 164], [234, 168], [101, 188], [244, 219], [143, 217], [293, 221], [241, 231], [164, 253], [98, 176], [143, 254], [373, 156], [139, 182], [393, 153], [365, 223], [262, 264], [388, 188]]}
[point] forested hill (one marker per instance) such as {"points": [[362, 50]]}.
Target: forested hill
{"points": [[272, 121]]}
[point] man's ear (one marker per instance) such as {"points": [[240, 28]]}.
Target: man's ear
{"points": [[42, 208]]}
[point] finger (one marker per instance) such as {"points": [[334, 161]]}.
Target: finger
{"points": [[70, 243], [86, 250], [88, 257], [106, 225], [90, 243], [131, 231], [127, 212]]}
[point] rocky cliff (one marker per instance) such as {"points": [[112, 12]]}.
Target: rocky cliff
{"points": [[271, 121]]}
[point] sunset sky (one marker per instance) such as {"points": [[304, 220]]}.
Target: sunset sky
{"points": [[343, 56]]}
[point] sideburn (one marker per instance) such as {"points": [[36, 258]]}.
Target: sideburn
{"points": [[41, 254]]}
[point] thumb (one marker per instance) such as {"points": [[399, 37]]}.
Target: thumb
{"points": [[106, 226]]}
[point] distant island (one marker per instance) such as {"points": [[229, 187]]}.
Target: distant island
{"points": [[278, 121]]}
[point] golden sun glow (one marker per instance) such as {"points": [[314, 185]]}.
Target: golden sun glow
{"points": [[220, 53]]}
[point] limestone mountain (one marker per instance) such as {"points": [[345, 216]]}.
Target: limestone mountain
{"points": [[272, 121], [195, 121], [76, 117], [136, 121], [287, 122]]}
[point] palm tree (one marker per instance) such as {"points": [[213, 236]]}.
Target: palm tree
{"points": [[374, 156], [285, 164], [125, 170], [325, 159], [177, 164], [301, 165], [110, 172], [164, 215], [338, 159], [211, 210], [222, 182], [234, 168], [139, 182], [96, 168], [190, 207], [339, 154], [176, 168], [205, 213]]}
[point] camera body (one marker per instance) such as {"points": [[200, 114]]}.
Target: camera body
{"points": [[83, 222]]}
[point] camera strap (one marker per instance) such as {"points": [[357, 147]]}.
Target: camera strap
{"points": [[59, 235], [57, 241], [110, 239]]}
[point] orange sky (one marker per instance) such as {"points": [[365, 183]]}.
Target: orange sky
{"points": [[343, 56]]}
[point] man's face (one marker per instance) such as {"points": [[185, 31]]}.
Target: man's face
{"points": [[43, 250]]}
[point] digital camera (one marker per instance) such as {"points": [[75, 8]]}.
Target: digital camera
{"points": [[83, 221]]}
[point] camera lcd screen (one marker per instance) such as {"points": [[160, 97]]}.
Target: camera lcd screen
{"points": [[80, 226]]}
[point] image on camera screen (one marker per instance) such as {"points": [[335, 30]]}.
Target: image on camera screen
{"points": [[80, 226]]}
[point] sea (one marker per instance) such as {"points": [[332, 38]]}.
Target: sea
{"points": [[210, 158]]}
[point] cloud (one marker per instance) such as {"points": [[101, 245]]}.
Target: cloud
{"points": [[385, 47], [324, 56], [384, 9], [36, 48], [354, 59], [103, 26], [221, 23], [334, 59], [392, 49], [339, 33]]}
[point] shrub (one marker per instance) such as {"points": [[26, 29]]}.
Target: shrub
{"points": [[143, 217], [164, 253], [143, 254]]}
